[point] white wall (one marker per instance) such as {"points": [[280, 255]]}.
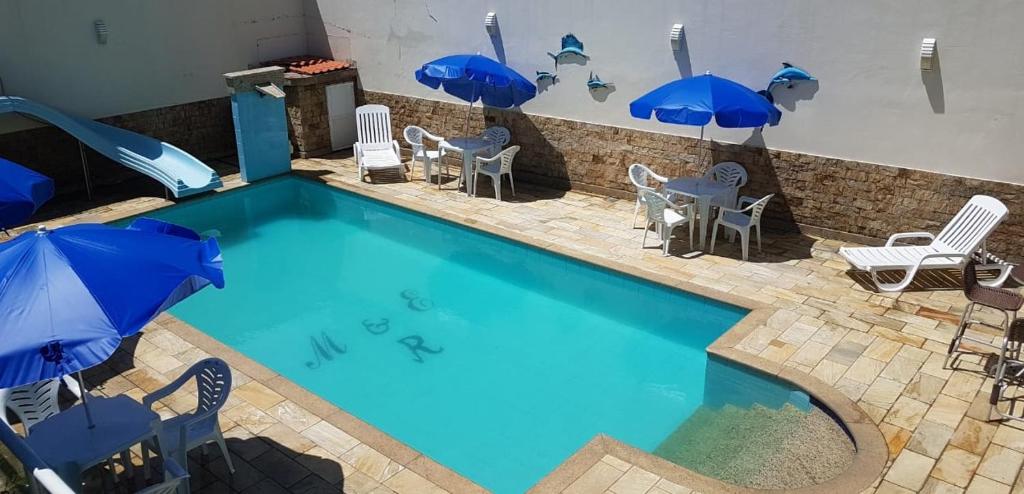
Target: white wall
{"points": [[873, 102], [159, 52]]}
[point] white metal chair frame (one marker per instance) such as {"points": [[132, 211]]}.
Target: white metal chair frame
{"points": [[414, 136], [962, 237], [375, 149], [641, 176], [496, 167], [665, 216], [196, 429], [742, 220]]}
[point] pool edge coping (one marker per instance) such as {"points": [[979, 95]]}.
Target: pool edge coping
{"points": [[871, 448], [872, 451]]}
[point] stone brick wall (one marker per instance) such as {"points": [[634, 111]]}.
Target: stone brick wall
{"points": [[309, 128], [202, 128], [309, 124], [841, 197]]}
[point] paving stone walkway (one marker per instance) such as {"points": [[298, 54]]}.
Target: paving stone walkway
{"points": [[883, 351]]}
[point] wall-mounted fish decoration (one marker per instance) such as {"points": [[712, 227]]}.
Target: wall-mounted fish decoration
{"points": [[787, 75], [572, 49], [595, 82], [545, 76]]}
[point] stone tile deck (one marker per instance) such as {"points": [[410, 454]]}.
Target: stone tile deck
{"points": [[883, 351]]}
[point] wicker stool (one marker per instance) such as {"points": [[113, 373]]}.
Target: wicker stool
{"points": [[1006, 301]]}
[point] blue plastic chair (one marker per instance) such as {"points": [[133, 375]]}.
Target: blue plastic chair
{"points": [[183, 433]]}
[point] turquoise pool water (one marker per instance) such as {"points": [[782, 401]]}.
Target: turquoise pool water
{"points": [[494, 358]]}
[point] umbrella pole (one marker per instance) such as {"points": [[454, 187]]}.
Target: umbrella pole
{"points": [[468, 113], [85, 400]]}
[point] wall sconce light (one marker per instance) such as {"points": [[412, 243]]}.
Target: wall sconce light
{"points": [[101, 31], [491, 22], [676, 36], [928, 54]]}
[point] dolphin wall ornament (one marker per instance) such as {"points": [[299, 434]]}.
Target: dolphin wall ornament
{"points": [[788, 75], [572, 48], [595, 83], [545, 76]]}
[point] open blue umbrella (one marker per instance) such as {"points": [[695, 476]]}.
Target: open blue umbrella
{"points": [[22, 191], [699, 99], [68, 296], [475, 78]]}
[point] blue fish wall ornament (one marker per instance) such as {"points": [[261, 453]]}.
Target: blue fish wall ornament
{"points": [[595, 82], [787, 75], [571, 48], [545, 76]]}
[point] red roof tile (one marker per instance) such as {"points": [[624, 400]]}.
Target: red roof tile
{"points": [[310, 65]]}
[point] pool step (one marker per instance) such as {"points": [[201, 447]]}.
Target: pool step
{"points": [[761, 447]]}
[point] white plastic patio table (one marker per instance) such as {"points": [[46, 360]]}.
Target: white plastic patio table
{"points": [[66, 443], [467, 147], [707, 193]]}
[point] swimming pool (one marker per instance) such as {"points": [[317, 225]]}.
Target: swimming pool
{"points": [[494, 358]]}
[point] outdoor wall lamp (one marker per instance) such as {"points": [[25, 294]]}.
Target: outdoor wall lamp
{"points": [[491, 22], [928, 54], [101, 31], [676, 36]]}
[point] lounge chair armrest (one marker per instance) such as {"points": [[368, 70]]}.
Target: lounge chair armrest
{"points": [[432, 137], [358, 149], [899, 236], [398, 151], [481, 159], [166, 391], [746, 200], [685, 209], [656, 177]]}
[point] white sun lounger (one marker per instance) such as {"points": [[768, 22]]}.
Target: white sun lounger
{"points": [[375, 149], [963, 236]]}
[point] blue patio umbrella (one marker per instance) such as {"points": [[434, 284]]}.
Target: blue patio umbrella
{"points": [[22, 191], [473, 78], [699, 99], [69, 295]]}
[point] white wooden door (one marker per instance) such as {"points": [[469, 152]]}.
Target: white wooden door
{"points": [[341, 113]]}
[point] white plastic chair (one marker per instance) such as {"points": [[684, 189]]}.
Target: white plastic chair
{"points": [[665, 216], [964, 235], [499, 137], [730, 173], [31, 403], [742, 220], [375, 149], [500, 164], [181, 434], [175, 479], [414, 136], [641, 177]]}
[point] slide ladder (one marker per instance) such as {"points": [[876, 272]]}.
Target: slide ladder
{"points": [[182, 173]]}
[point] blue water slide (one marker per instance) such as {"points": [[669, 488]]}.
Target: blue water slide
{"points": [[177, 170]]}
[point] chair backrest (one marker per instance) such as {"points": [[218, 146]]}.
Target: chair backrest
{"points": [[213, 383], [507, 155], [758, 207], [966, 232], [373, 126], [30, 403], [499, 135], [728, 172], [414, 136], [640, 175], [656, 205], [172, 479]]}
